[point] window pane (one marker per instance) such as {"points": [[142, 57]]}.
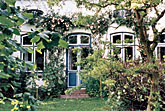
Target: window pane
{"points": [[72, 60], [117, 39], [26, 41], [84, 39], [128, 53], [27, 56], [128, 39], [161, 53], [73, 39], [40, 60], [85, 52], [117, 52], [162, 38]]}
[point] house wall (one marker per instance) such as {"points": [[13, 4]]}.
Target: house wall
{"points": [[68, 9]]}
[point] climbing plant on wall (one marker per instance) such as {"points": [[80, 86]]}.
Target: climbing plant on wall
{"points": [[54, 74]]}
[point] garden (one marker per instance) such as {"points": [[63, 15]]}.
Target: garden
{"points": [[112, 84]]}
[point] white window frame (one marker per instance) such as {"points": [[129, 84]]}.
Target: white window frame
{"points": [[79, 39], [116, 35], [159, 46], [26, 45], [123, 45], [133, 38], [34, 47], [78, 45]]}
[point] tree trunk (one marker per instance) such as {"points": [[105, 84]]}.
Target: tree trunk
{"points": [[153, 90], [154, 83]]}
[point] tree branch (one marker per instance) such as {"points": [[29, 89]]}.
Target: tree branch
{"points": [[137, 15], [101, 6], [158, 18], [155, 40], [156, 10]]}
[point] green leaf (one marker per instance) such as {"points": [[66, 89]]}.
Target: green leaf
{"points": [[4, 76], [35, 66], [39, 51], [16, 84], [10, 2], [35, 39], [2, 37], [3, 5], [155, 1], [28, 15], [60, 81], [31, 35], [29, 49], [9, 9], [2, 46], [16, 31], [20, 21], [5, 21], [1, 66], [40, 45], [63, 43]]}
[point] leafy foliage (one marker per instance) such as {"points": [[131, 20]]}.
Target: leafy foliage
{"points": [[10, 66], [128, 84], [54, 75], [24, 102]]}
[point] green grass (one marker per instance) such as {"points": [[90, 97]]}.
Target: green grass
{"points": [[90, 104]]}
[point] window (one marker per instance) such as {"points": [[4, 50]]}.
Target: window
{"points": [[82, 39], [116, 39], [128, 38], [35, 57], [79, 44], [39, 60], [160, 49], [124, 45], [128, 51], [72, 59], [26, 41], [73, 40], [162, 38]]}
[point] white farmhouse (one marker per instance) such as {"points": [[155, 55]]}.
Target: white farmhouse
{"points": [[82, 38]]}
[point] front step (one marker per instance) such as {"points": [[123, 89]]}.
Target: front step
{"points": [[76, 94]]}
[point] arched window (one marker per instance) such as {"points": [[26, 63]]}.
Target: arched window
{"points": [[125, 45]]}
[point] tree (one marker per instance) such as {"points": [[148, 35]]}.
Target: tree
{"points": [[11, 18], [141, 21]]}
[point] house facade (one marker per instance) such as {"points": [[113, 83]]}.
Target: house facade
{"points": [[123, 38]]}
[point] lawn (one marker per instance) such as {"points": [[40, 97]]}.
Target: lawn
{"points": [[90, 104]]}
